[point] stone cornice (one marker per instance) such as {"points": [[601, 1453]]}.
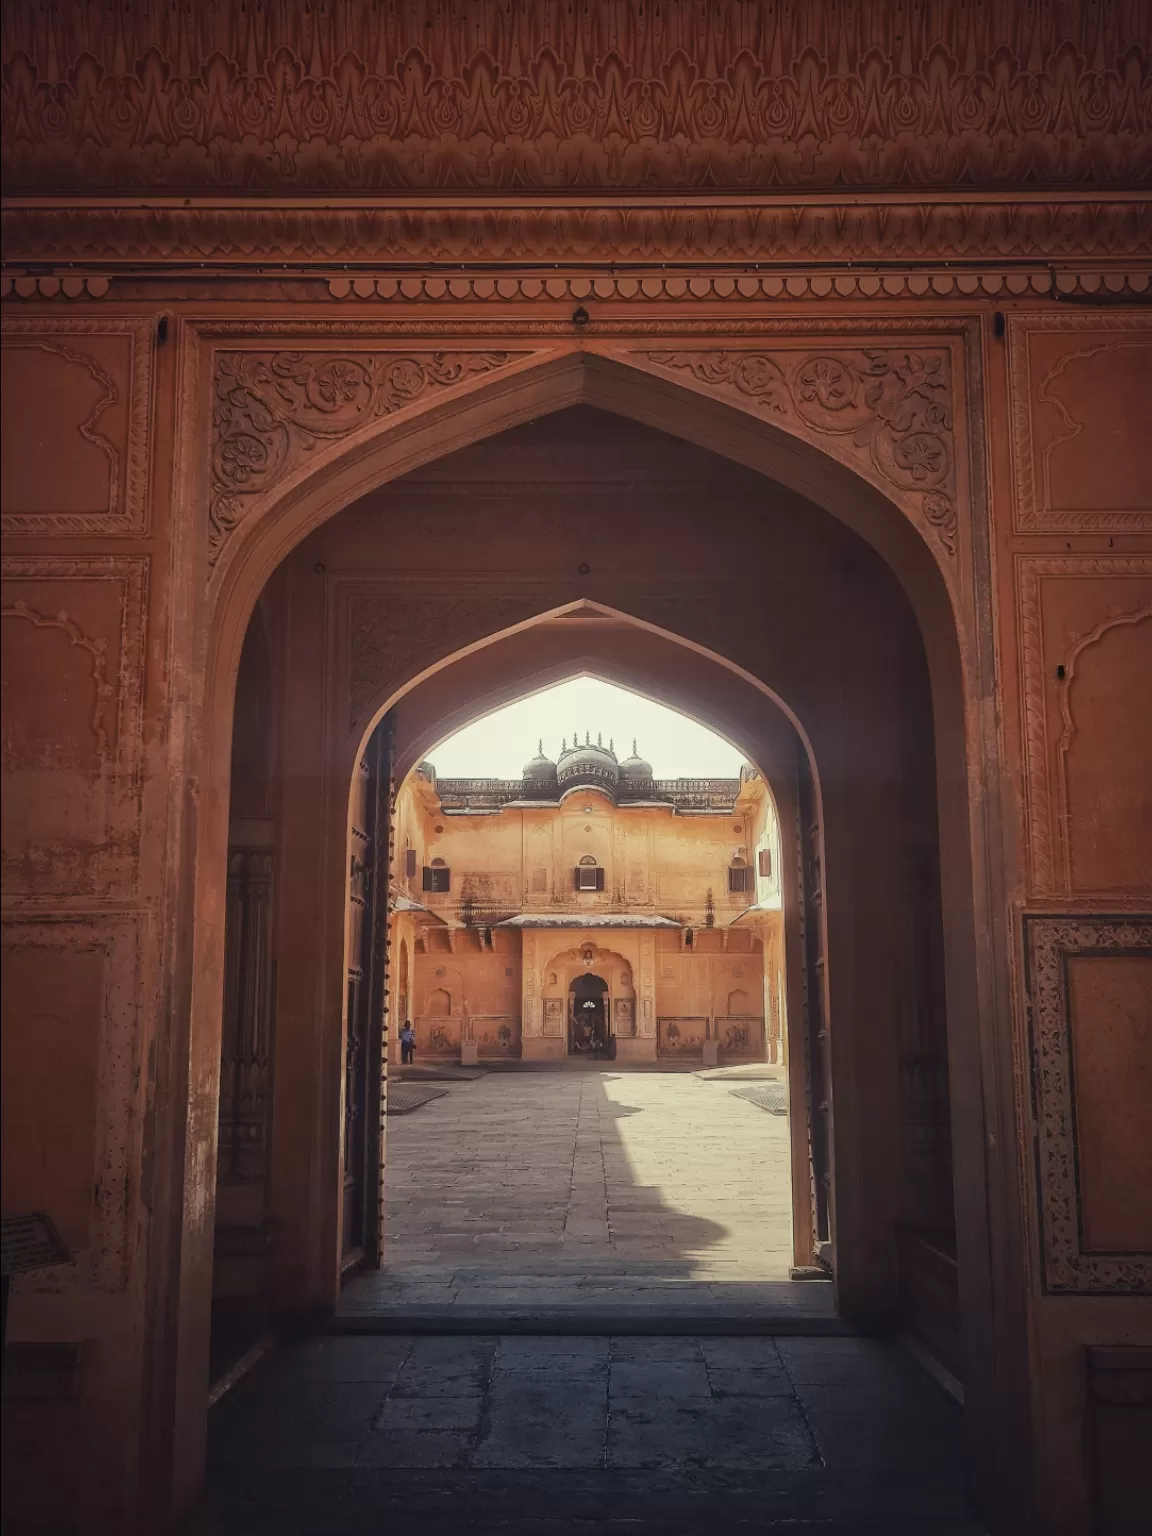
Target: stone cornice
{"points": [[309, 235]]}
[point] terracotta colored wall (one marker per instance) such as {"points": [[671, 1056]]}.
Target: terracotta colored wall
{"points": [[1075, 593], [962, 382]]}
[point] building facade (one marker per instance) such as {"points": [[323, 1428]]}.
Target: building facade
{"points": [[588, 907]]}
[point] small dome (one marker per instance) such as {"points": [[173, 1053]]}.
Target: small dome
{"points": [[541, 770], [588, 764], [634, 767]]}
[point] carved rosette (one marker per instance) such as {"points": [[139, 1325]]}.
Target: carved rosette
{"points": [[272, 409], [886, 412], [1048, 944]]}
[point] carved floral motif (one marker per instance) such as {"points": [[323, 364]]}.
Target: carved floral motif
{"points": [[271, 409], [347, 96], [890, 410], [1048, 942]]}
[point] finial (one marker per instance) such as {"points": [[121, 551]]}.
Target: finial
{"points": [[634, 752], [540, 747], [564, 744], [587, 738], [599, 738], [612, 745]]}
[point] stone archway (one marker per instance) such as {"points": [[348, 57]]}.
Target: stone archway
{"points": [[252, 542]]}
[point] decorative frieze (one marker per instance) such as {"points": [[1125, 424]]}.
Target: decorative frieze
{"points": [[345, 97]]}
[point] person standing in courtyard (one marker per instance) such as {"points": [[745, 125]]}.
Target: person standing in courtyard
{"points": [[407, 1044]]}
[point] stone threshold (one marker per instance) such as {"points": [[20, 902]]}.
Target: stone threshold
{"points": [[593, 1321]]}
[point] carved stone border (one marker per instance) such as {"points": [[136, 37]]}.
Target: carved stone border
{"points": [[1042, 774], [1031, 512], [105, 1264], [133, 516], [1048, 940]]}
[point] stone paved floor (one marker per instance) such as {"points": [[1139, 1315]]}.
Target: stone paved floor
{"points": [[658, 1436], [569, 1188]]}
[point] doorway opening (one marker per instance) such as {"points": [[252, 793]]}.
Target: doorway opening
{"points": [[854, 775], [589, 1029]]}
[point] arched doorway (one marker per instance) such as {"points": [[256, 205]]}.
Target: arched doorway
{"points": [[428, 659], [589, 1024]]}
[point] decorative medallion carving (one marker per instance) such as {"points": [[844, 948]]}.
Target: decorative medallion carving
{"points": [[352, 97], [1050, 944], [886, 412], [272, 409]]}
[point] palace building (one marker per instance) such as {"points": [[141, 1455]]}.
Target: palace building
{"points": [[588, 907]]}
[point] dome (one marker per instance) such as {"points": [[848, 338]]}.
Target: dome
{"points": [[588, 765], [540, 773], [634, 767]]}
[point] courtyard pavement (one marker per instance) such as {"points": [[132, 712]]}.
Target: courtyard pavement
{"points": [[592, 1188], [555, 1205], [660, 1436]]}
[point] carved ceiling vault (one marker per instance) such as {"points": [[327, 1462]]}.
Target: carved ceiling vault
{"points": [[774, 96]]}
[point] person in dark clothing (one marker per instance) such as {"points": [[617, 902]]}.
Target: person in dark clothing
{"points": [[407, 1044]]}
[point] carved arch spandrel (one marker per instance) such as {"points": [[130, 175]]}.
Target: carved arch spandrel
{"points": [[886, 412], [280, 413]]}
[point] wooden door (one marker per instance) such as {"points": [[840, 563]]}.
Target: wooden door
{"points": [[365, 1063], [818, 1094]]}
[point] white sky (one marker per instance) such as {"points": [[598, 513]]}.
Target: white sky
{"points": [[498, 746]]}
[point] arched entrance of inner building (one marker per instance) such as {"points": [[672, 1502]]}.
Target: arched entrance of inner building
{"points": [[414, 652], [589, 1022]]}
